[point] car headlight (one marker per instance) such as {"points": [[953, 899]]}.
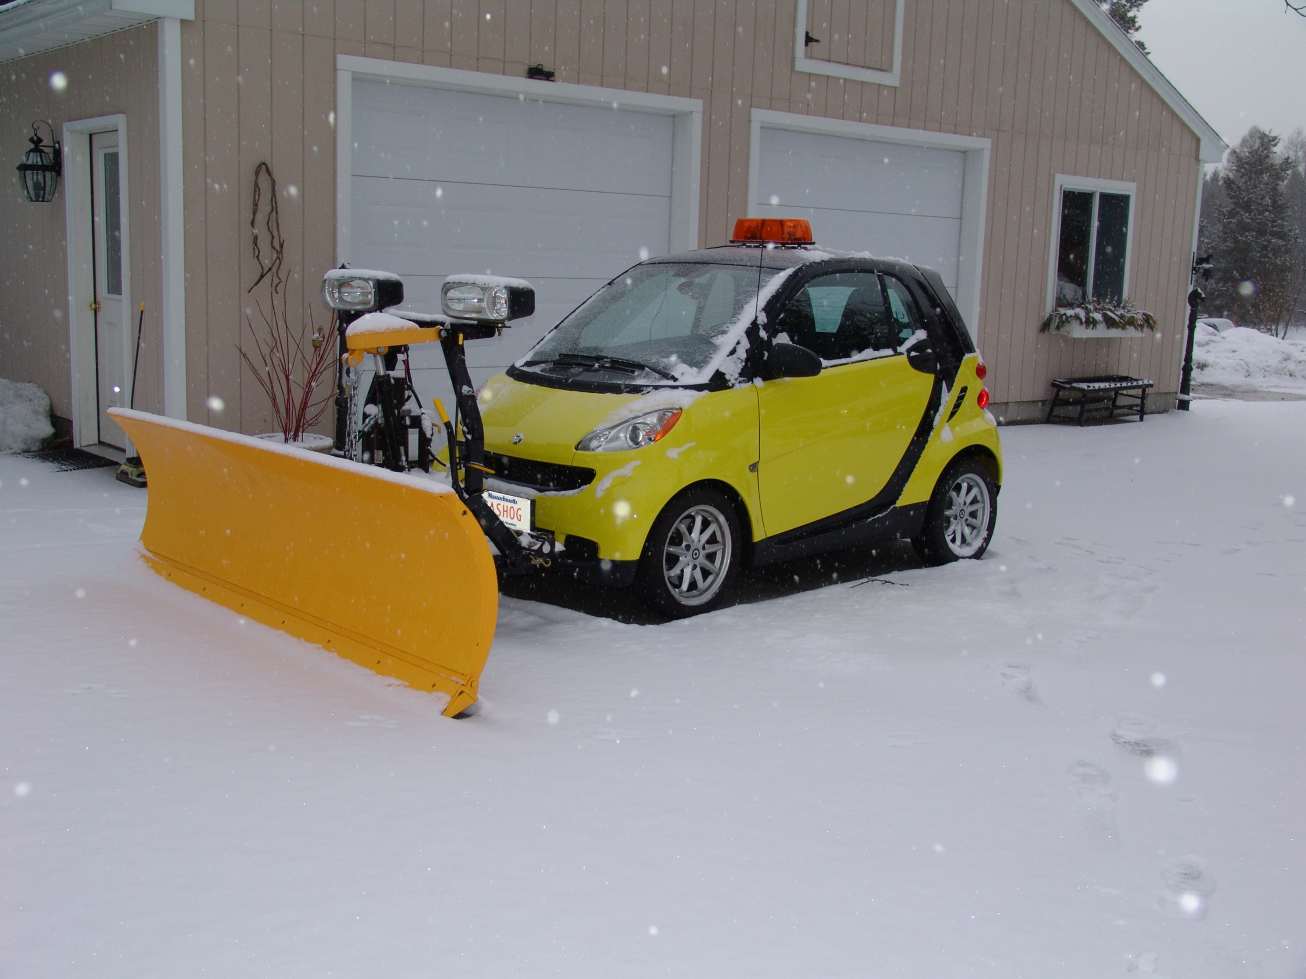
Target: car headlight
{"points": [[633, 433]]}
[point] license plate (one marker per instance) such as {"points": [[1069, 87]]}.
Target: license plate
{"points": [[514, 511]]}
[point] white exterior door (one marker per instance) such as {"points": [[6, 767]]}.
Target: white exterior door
{"points": [[565, 195], [894, 200], [107, 300]]}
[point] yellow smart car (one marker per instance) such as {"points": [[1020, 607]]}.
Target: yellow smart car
{"points": [[716, 410]]}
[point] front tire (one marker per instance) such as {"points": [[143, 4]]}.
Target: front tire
{"points": [[692, 554], [961, 515]]}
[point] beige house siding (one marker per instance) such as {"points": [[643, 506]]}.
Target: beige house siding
{"points": [[113, 74], [1034, 76]]}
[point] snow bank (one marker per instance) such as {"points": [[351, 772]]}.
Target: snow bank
{"points": [[24, 416], [1238, 357]]}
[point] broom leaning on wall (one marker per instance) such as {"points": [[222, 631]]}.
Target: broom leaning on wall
{"points": [[132, 472]]}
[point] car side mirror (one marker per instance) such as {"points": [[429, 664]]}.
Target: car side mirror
{"points": [[790, 360], [923, 358]]}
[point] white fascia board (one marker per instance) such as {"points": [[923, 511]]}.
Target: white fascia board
{"points": [[1213, 147], [488, 84], [181, 9]]}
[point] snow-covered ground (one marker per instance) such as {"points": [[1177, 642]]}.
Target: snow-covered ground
{"points": [[1243, 362], [1081, 757]]}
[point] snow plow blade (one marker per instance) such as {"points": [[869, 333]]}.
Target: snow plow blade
{"points": [[388, 570]]}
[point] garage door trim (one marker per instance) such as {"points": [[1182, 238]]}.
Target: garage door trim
{"points": [[977, 151], [686, 113]]}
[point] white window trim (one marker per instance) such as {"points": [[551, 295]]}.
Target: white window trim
{"points": [[687, 151], [819, 66], [974, 194], [1093, 185]]}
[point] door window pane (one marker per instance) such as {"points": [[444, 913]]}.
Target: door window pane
{"points": [[840, 317], [112, 227], [1072, 253], [1112, 241], [907, 317]]}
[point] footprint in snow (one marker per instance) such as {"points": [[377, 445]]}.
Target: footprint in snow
{"points": [[1016, 678], [1097, 800], [372, 720], [1188, 888]]}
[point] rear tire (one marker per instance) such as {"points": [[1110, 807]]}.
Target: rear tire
{"points": [[692, 554], [961, 515]]}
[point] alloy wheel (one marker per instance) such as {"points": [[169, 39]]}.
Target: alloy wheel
{"points": [[697, 555]]}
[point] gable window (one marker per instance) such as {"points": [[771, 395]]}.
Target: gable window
{"points": [[1094, 220], [860, 40]]}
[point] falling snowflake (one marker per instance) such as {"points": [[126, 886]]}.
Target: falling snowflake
{"points": [[774, 199], [215, 403], [653, 930], [1290, 501], [23, 789], [58, 81], [1161, 769], [1158, 680], [553, 717]]}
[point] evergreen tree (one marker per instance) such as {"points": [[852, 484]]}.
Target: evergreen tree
{"points": [[1296, 190], [1125, 13], [1252, 236]]}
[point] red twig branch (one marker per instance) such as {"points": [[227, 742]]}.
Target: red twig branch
{"points": [[289, 361]]}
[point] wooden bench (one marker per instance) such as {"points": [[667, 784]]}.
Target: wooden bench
{"points": [[1109, 396]]}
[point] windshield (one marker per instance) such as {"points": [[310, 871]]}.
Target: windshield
{"points": [[667, 320]]}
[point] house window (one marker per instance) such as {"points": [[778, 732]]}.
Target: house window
{"points": [[1094, 220]]}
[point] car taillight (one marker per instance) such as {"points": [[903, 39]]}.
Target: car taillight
{"points": [[982, 399], [981, 370]]}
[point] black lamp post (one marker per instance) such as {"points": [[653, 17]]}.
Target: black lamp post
{"points": [[1201, 267], [42, 164]]}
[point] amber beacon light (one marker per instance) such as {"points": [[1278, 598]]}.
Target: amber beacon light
{"points": [[772, 231]]}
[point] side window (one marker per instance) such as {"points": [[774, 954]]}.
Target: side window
{"points": [[906, 314], [840, 317]]}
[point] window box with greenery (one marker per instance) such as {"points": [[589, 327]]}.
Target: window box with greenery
{"points": [[1089, 266]]}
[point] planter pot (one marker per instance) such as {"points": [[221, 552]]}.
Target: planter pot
{"points": [[312, 441], [1079, 331]]}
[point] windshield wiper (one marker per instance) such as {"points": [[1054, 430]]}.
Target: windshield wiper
{"points": [[594, 360]]}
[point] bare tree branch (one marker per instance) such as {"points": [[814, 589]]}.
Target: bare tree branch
{"points": [[1298, 7]]}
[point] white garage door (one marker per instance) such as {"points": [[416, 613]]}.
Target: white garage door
{"points": [[564, 195], [893, 200]]}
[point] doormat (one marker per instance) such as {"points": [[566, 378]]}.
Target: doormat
{"points": [[70, 460]]}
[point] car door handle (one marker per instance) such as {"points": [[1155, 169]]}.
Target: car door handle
{"points": [[94, 307]]}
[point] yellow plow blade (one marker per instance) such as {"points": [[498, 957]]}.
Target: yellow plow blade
{"points": [[387, 570]]}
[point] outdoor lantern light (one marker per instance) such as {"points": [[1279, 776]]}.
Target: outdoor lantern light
{"points": [[41, 167]]}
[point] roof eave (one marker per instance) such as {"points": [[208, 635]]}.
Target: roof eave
{"points": [[1212, 145]]}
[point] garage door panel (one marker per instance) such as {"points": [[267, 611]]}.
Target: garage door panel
{"points": [[405, 227], [811, 170], [408, 131], [931, 242], [892, 200]]}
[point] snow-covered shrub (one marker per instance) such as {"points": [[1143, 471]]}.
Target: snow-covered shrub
{"points": [[24, 416]]}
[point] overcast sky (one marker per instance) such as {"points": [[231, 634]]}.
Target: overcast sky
{"points": [[1241, 63]]}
